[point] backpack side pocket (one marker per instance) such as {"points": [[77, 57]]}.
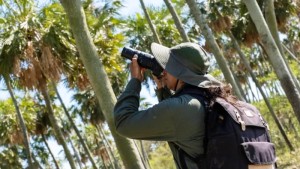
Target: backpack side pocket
{"points": [[259, 153]]}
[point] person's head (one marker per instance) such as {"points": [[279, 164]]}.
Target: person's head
{"points": [[171, 82], [187, 62]]}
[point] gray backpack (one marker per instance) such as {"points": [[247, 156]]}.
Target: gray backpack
{"points": [[236, 135]]}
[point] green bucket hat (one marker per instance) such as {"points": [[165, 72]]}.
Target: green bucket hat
{"points": [[187, 62]]}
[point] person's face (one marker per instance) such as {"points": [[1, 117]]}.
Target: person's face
{"points": [[169, 80]]}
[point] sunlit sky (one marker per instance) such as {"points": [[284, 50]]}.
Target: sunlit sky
{"points": [[132, 6]]}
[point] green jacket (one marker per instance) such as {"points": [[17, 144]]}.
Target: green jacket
{"points": [[178, 120]]}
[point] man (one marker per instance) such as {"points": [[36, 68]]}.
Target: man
{"points": [[178, 119]]}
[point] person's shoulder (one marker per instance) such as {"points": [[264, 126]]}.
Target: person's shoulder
{"points": [[182, 101]]}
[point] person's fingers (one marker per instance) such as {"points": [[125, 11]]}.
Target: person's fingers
{"points": [[136, 70], [134, 61]]}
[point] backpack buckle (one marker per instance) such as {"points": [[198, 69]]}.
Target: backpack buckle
{"points": [[243, 125], [238, 116]]}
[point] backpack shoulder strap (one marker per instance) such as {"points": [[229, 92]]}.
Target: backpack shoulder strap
{"points": [[196, 92], [199, 94]]}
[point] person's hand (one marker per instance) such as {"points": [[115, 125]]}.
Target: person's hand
{"points": [[136, 71], [159, 82]]}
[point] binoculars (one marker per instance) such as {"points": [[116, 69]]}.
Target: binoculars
{"points": [[144, 59]]}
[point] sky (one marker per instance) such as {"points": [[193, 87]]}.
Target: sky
{"points": [[133, 6], [130, 8]]}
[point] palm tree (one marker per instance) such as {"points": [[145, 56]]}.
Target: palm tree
{"points": [[75, 128], [201, 21], [61, 42], [275, 57], [177, 21], [99, 79], [270, 18], [48, 148], [140, 37], [107, 145], [152, 27], [66, 132], [57, 131], [91, 111], [21, 121], [38, 60], [221, 25], [249, 69], [12, 136], [9, 53]]}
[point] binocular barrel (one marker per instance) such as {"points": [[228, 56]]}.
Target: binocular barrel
{"points": [[144, 59]]}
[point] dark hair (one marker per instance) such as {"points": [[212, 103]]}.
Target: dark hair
{"points": [[224, 92]]}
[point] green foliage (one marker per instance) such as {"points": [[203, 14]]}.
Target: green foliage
{"points": [[103, 24], [56, 31], [88, 107], [11, 47], [40, 149], [161, 157], [13, 135], [140, 36], [291, 126], [15, 33], [11, 144], [295, 68], [9, 159], [8, 118]]}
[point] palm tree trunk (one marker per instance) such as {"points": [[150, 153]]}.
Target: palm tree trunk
{"points": [[200, 20], [101, 158], [177, 21], [291, 54], [254, 96], [99, 80], [58, 134], [47, 145], [248, 67], [21, 121], [108, 146], [85, 147], [152, 27], [75, 153], [271, 21], [275, 58], [36, 164], [144, 154], [239, 85]]}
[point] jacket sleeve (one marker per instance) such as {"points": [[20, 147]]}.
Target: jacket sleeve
{"points": [[154, 123]]}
